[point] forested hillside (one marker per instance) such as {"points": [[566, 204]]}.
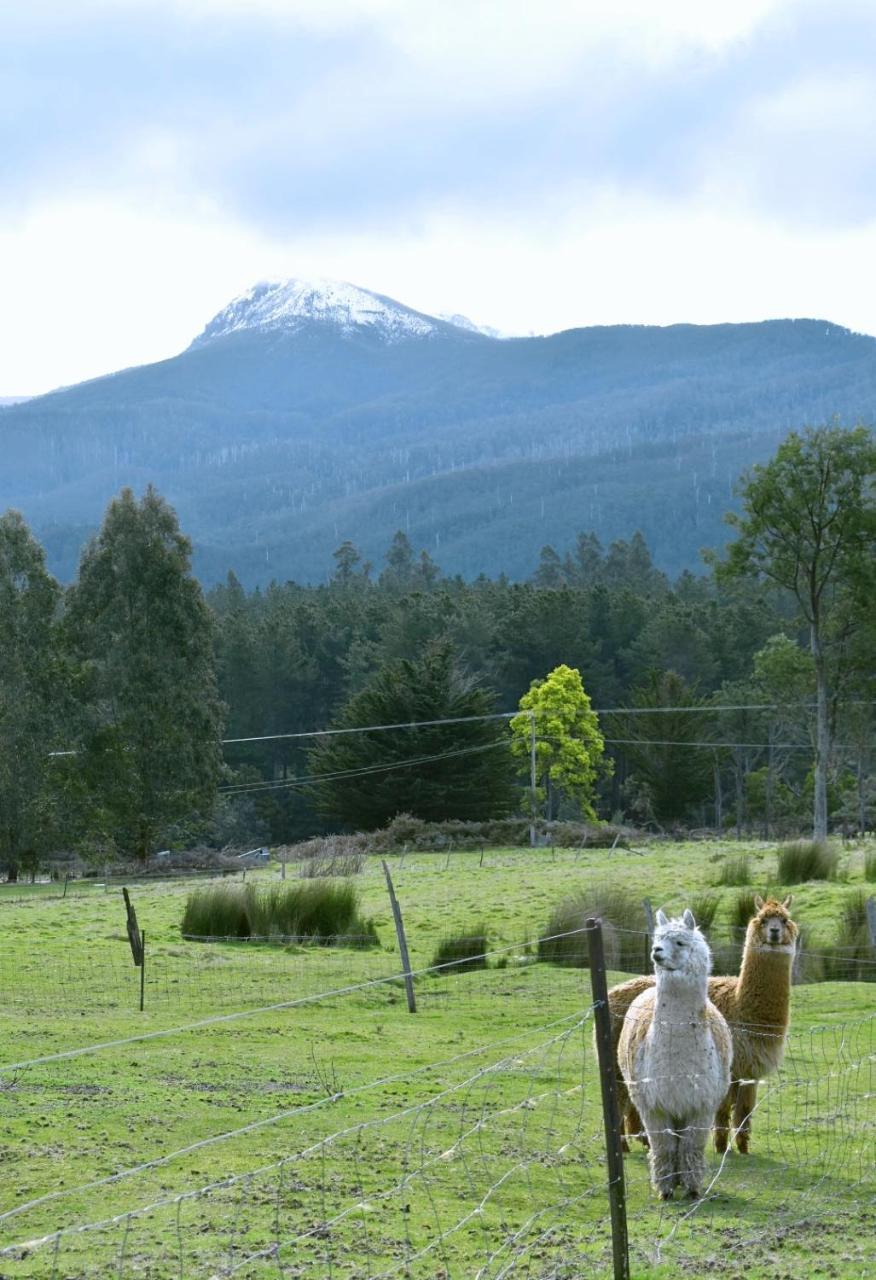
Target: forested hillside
{"points": [[137, 714], [276, 444]]}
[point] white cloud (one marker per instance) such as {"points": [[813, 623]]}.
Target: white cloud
{"points": [[101, 286]]}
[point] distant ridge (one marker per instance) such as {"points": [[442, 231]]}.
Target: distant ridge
{"points": [[309, 411]]}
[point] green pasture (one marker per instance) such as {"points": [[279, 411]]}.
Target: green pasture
{"points": [[464, 1140]]}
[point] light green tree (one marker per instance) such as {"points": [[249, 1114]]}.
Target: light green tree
{"points": [[558, 722], [138, 622], [808, 524]]}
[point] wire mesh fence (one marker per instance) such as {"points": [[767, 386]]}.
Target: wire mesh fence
{"points": [[489, 1163], [227, 974], [454, 1179]]}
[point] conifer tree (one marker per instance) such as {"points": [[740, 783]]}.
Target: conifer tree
{"points": [[31, 680], [138, 621], [432, 771]]}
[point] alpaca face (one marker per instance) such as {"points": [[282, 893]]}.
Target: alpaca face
{"points": [[772, 929], [679, 947]]}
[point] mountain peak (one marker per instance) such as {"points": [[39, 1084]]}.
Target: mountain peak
{"points": [[291, 304]]}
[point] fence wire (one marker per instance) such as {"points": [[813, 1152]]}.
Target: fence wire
{"points": [[487, 1164]]}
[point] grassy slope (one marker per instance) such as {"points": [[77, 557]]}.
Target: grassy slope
{"points": [[68, 981]]}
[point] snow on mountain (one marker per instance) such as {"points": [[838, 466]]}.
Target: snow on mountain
{"points": [[291, 304], [462, 322]]}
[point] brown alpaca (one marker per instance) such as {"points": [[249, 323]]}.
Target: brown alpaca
{"points": [[756, 1006]]}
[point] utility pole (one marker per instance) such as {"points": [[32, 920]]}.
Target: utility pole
{"points": [[532, 778]]}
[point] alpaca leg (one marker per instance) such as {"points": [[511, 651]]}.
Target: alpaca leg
{"points": [[635, 1127], [746, 1098], [692, 1153], [722, 1120], [662, 1156]]}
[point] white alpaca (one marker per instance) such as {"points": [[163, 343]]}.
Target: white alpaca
{"points": [[675, 1052]]}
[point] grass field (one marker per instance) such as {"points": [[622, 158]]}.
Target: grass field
{"points": [[340, 1136]]}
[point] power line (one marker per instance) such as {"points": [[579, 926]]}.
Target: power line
{"points": [[373, 728], [280, 783], [706, 709], [664, 742], [510, 715]]}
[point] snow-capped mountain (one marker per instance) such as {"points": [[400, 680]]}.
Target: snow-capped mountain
{"points": [[289, 305]]}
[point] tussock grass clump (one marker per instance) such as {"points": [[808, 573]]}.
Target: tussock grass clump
{"points": [[623, 929], [735, 871], [219, 911], [462, 951], [802, 860], [742, 908], [319, 910], [851, 957], [870, 866], [705, 907]]}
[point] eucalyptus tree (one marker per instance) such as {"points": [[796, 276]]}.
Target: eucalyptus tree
{"points": [[808, 524]]}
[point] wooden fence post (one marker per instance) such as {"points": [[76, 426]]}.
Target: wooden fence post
{"points": [[610, 1110], [871, 920], [649, 925], [402, 940], [137, 940]]}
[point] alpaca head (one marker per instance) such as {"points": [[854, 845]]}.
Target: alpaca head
{"points": [[772, 929], [679, 947]]}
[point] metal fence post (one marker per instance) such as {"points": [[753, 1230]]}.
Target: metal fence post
{"points": [[610, 1110]]}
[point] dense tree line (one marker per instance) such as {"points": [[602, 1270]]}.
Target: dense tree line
{"points": [[715, 706]]}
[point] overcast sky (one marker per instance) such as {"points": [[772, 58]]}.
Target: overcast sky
{"points": [[533, 166]]}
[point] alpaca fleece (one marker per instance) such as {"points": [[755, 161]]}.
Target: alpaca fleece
{"points": [[675, 1053], [756, 1006]]}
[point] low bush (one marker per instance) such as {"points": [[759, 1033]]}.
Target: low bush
{"points": [[462, 951], [336, 865], [802, 860], [405, 832], [735, 871], [624, 929], [316, 910], [414, 834]]}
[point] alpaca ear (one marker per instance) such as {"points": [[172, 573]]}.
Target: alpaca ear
{"points": [[688, 918], [758, 902], [661, 918], [788, 901]]}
